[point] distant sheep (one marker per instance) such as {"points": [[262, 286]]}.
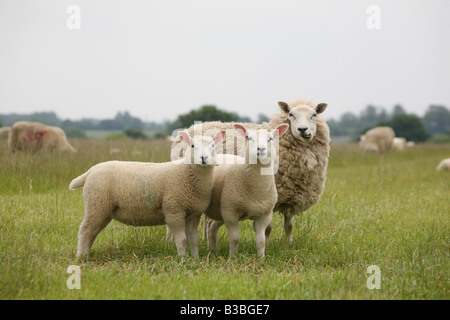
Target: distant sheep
{"points": [[145, 194], [398, 144], [444, 165], [243, 191], [410, 144], [35, 136], [4, 133], [378, 139], [303, 155]]}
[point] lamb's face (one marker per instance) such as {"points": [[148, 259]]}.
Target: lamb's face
{"points": [[201, 149], [261, 143], [303, 120]]}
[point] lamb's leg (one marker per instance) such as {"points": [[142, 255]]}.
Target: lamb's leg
{"points": [[233, 235], [260, 225], [288, 227], [177, 224], [213, 231], [192, 234], [91, 226]]}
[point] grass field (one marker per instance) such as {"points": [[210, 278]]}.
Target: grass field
{"points": [[390, 210]]}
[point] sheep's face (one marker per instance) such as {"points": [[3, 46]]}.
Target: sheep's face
{"points": [[303, 119], [201, 150], [261, 143]]}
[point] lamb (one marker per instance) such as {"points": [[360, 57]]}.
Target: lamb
{"points": [[444, 165], [399, 144], [36, 136], [303, 155], [246, 190], [378, 139], [144, 194]]}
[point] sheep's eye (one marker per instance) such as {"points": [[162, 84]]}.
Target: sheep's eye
{"points": [[270, 139], [192, 146], [314, 115], [291, 115]]}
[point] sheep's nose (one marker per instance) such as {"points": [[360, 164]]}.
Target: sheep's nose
{"points": [[204, 158], [302, 130], [261, 149]]}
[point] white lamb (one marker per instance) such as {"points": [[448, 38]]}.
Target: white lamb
{"points": [[246, 190], [143, 194]]}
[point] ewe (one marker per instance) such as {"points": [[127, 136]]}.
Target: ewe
{"points": [[145, 194], [244, 188], [303, 155], [378, 139]]}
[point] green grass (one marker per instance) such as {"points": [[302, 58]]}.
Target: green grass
{"points": [[387, 210]]}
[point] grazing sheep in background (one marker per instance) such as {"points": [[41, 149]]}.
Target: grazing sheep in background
{"points": [[4, 133], [398, 144], [244, 191], [303, 155], [378, 139], [35, 136], [444, 165], [144, 194], [410, 144]]}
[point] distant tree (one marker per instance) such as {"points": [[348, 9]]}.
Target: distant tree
{"points": [[437, 119], [74, 132], [262, 118], [205, 113], [110, 125], [407, 126], [398, 109], [127, 121], [135, 134]]}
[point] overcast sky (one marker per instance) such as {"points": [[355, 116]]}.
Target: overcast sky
{"points": [[158, 59]]}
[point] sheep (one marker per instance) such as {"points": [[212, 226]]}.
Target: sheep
{"points": [[35, 136], [410, 144], [378, 139], [246, 190], [444, 165], [4, 132], [303, 155], [144, 194], [399, 144]]}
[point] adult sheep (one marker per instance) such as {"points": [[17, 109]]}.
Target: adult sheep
{"points": [[303, 155], [444, 165], [36, 136], [399, 144], [378, 139]]}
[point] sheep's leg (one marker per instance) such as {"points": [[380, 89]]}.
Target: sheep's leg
{"points": [[177, 224], [288, 227], [233, 236], [192, 234], [89, 229], [268, 231], [213, 231], [260, 225]]}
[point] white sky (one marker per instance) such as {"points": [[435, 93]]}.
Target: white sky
{"points": [[158, 59]]}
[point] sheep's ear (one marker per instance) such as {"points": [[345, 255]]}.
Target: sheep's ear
{"points": [[280, 130], [241, 130], [219, 137], [185, 137], [321, 107], [284, 106]]}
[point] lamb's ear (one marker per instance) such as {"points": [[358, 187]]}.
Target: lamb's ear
{"points": [[280, 130], [185, 137], [241, 130], [321, 107], [219, 137], [284, 106]]}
